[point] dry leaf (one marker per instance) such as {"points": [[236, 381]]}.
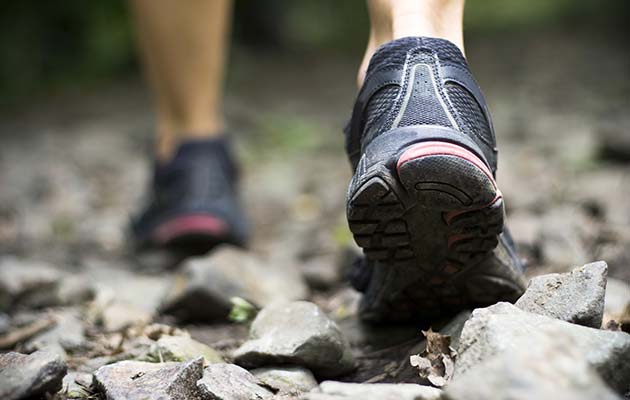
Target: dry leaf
{"points": [[436, 363], [436, 342]]}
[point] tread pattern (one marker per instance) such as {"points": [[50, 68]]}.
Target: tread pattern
{"points": [[427, 244], [375, 219]]}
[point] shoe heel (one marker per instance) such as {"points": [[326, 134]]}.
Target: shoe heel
{"points": [[430, 214], [447, 177]]}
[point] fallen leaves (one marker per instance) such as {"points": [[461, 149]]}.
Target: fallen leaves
{"points": [[437, 362]]}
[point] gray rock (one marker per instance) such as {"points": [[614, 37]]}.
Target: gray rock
{"points": [[74, 289], [576, 296], [321, 273], [130, 380], [24, 376], [504, 328], [297, 333], [182, 348], [35, 284], [92, 364], [76, 385], [330, 390], [231, 382], [27, 283], [120, 283], [66, 336], [118, 316], [204, 289], [286, 380], [540, 372]]}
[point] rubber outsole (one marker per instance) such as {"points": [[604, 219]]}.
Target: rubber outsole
{"points": [[191, 234], [430, 218]]}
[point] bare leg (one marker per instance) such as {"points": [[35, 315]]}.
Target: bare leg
{"points": [[183, 43], [395, 19]]}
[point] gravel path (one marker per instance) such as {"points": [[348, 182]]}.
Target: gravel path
{"points": [[72, 168]]}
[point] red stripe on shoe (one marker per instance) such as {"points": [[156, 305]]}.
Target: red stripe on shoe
{"points": [[190, 224], [434, 148], [449, 216]]}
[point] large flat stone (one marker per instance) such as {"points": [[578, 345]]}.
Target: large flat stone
{"points": [[331, 390], [541, 372], [506, 329]]}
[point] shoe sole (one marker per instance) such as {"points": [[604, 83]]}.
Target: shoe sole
{"points": [[431, 217], [192, 234]]}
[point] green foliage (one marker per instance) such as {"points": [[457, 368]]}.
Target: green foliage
{"points": [[242, 310], [516, 15], [46, 45], [342, 235], [286, 133]]}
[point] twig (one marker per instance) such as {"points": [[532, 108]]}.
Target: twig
{"points": [[18, 335]]}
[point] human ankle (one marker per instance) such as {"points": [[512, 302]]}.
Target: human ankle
{"points": [[396, 19], [171, 136]]}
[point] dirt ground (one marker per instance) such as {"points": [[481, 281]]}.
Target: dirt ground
{"points": [[73, 167]]}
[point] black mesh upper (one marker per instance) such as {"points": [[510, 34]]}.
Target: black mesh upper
{"points": [[419, 81], [393, 54], [424, 107], [379, 104], [472, 118]]}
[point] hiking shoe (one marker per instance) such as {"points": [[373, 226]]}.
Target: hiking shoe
{"points": [[423, 202], [193, 205]]}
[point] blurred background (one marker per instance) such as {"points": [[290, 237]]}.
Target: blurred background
{"points": [[76, 124]]}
